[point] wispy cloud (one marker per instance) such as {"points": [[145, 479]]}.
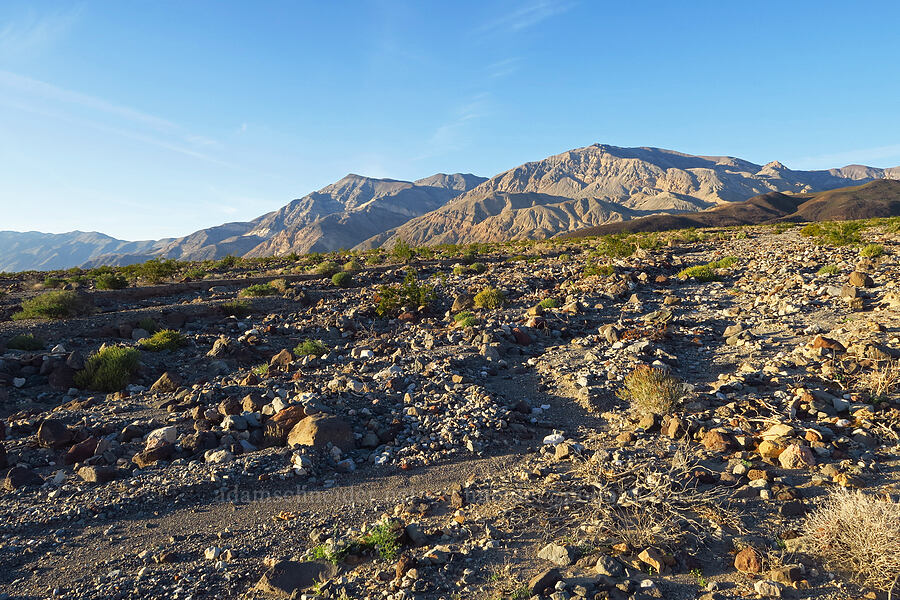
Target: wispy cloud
{"points": [[525, 16], [877, 154], [503, 68], [36, 31], [451, 135]]}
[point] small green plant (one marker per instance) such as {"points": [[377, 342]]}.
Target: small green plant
{"points": [[53, 305], [490, 298], [326, 268], [195, 273], [549, 303], [54, 282], [166, 339], [783, 226], [256, 291], [110, 281], [235, 308], [835, 233], [148, 325], [871, 251], [409, 293], [226, 262], [25, 342], [352, 266], [828, 270], [465, 319], [261, 369], [384, 538], [342, 279], [109, 370], [402, 251], [651, 390], [478, 267], [156, 270], [599, 270], [698, 575], [332, 555], [310, 347], [460, 270]]}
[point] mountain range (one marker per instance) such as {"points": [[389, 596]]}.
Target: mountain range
{"points": [[582, 188]]}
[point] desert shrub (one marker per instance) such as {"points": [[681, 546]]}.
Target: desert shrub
{"points": [[310, 347], [835, 233], [148, 325], [261, 369], [858, 535], [110, 281], [195, 273], [109, 370], [652, 390], [156, 270], [871, 251], [235, 308], [226, 262], [392, 298], [384, 538], [615, 246], [342, 279], [53, 305], [707, 272], [478, 267], [724, 263], [828, 270], [53, 282], [374, 259], [25, 342], [352, 266], [881, 381], [257, 290], [549, 303], [490, 298], [460, 270], [783, 226], [600, 270], [280, 285], [402, 251], [465, 319], [166, 339], [326, 268]]}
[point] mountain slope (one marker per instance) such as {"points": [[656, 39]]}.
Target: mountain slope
{"points": [[880, 198], [608, 182], [32, 250]]}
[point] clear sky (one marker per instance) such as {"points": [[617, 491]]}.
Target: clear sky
{"points": [[149, 118]]}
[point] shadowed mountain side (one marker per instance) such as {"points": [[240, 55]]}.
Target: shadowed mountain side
{"points": [[875, 199]]}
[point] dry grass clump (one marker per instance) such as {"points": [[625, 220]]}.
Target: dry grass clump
{"points": [[882, 380], [858, 535], [649, 389]]}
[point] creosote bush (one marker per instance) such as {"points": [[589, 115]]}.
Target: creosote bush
{"points": [[25, 342], [167, 339], [342, 279], [326, 268], [310, 347], [235, 308], [858, 535], [490, 298], [652, 390], [110, 281], [53, 305], [257, 290], [109, 370], [871, 251], [411, 293]]}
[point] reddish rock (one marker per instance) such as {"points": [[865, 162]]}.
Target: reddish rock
{"points": [[53, 434], [282, 360], [81, 451], [827, 344], [717, 441], [522, 338], [148, 457], [230, 406], [748, 561], [320, 429], [796, 456]]}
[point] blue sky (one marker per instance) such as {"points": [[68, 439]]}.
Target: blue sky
{"points": [[146, 119]]}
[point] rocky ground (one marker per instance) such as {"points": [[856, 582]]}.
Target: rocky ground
{"points": [[414, 456]]}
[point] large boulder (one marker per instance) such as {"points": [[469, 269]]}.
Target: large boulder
{"points": [[19, 477], [320, 429], [53, 433], [281, 423], [285, 578], [167, 382], [81, 451]]}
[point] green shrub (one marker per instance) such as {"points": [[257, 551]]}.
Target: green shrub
{"points": [[25, 342], [384, 538], [53, 305], [490, 298], [261, 369], [195, 273], [166, 339], [409, 293], [226, 262], [148, 325], [257, 290], [156, 270], [54, 282], [871, 251], [326, 268], [651, 390], [465, 319], [280, 285], [835, 233], [110, 281], [342, 279], [310, 347], [616, 246], [235, 308], [599, 270], [702, 273], [828, 270], [549, 303], [478, 267], [402, 251], [460, 270], [352, 266], [109, 370]]}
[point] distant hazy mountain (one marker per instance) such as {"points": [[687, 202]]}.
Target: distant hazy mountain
{"points": [[31, 250], [340, 215], [597, 184], [880, 198]]}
